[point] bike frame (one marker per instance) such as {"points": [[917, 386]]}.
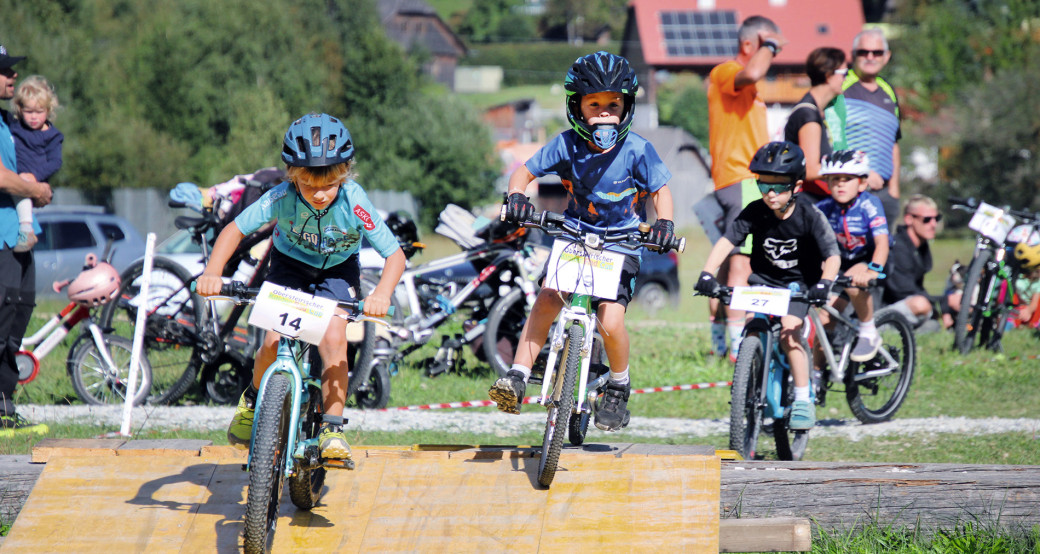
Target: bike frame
{"points": [[579, 311], [57, 328]]}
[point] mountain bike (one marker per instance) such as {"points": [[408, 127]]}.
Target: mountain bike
{"points": [[989, 285], [580, 266], [98, 363], [762, 384], [284, 444]]}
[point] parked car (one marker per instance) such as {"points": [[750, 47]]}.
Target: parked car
{"points": [[69, 233]]}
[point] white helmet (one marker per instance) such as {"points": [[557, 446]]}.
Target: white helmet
{"points": [[846, 162]]}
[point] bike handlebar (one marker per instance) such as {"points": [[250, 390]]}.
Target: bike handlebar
{"points": [[239, 293], [971, 204], [843, 282], [555, 224]]}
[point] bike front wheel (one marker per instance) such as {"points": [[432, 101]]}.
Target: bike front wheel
{"points": [[877, 388], [969, 319], [176, 316], [561, 405], [267, 463], [746, 412], [98, 384]]}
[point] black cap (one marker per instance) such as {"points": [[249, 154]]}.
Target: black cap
{"points": [[6, 60]]}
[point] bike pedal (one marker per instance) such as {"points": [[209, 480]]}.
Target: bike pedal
{"points": [[339, 464]]}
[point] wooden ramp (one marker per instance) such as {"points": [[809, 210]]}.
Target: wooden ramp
{"points": [[457, 499]]}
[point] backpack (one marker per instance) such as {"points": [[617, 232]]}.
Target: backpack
{"points": [[243, 190], [781, 131]]}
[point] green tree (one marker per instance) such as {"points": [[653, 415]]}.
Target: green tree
{"points": [[496, 21], [683, 102]]}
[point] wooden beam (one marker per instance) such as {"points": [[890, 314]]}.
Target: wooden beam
{"points": [[780, 534]]}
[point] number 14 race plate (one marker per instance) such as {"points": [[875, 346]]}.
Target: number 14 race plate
{"points": [[292, 313]]}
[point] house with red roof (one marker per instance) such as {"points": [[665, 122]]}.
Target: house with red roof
{"points": [[696, 35]]}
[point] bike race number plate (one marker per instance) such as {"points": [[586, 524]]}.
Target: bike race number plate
{"points": [[991, 222], [292, 313], [763, 300], [574, 268]]}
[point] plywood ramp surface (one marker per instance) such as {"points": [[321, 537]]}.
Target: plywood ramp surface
{"points": [[389, 503]]}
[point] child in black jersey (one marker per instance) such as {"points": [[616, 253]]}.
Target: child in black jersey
{"points": [[792, 242]]}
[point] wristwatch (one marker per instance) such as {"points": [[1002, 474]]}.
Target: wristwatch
{"points": [[875, 268], [772, 45]]}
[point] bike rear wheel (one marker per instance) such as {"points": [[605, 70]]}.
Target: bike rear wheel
{"points": [[375, 393], [561, 406], [305, 486], [877, 388], [969, 319], [745, 412], [176, 316], [97, 384], [267, 463]]}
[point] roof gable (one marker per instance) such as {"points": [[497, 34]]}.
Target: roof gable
{"points": [[703, 32]]}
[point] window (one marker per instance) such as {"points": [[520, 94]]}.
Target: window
{"points": [[111, 230], [63, 235]]}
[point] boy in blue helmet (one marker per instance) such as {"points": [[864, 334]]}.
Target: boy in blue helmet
{"points": [[608, 173], [791, 242], [321, 213]]}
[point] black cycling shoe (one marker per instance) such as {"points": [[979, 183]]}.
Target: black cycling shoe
{"points": [[612, 413], [508, 392]]}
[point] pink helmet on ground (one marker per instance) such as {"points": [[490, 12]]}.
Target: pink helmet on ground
{"points": [[96, 285]]}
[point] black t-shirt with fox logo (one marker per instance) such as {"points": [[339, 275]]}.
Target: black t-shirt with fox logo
{"points": [[789, 250]]}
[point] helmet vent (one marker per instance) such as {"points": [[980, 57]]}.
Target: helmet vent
{"points": [[315, 136], [332, 143]]}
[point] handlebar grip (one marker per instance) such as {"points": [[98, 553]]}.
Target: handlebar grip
{"points": [[502, 212], [176, 204], [679, 244], [361, 308]]}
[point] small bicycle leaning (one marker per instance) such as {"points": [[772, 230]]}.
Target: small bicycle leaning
{"points": [[579, 265], [289, 407], [762, 385]]}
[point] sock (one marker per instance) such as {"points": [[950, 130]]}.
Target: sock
{"points": [[735, 328], [338, 421], [801, 394], [867, 329], [718, 337], [620, 377], [525, 370]]}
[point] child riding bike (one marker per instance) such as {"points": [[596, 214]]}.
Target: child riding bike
{"points": [[858, 220], [791, 241], [608, 172], [321, 213]]}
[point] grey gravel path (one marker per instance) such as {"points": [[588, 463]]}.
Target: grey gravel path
{"points": [[504, 425]]}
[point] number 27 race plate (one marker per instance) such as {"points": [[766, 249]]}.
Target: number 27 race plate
{"points": [[763, 300]]}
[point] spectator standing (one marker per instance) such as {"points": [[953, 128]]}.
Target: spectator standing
{"points": [[736, 130], [37, 144], [17, 272], [806, 125], [872, 117], [910, 259]]}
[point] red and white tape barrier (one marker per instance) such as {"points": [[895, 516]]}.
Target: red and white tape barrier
{"points": [[529, 399]]}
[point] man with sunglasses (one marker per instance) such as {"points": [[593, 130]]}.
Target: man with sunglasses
{"points": [[872, 117], [910, 259], [17, 273]]}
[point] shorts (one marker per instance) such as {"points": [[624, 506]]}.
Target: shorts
{"points": [[733, 199], [846, 264], [339, 282], [627, 285]]}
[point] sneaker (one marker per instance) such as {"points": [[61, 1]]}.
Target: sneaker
{"points": [[803, 415], [612, 413], [240, 432], [508, 392], [26, 240], [15, 425], [865, 348], [333, 443]]}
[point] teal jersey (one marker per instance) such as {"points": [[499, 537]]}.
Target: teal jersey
{"points": [[319, 239]]}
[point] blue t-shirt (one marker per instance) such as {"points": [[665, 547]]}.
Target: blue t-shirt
{"points": [[857, 226], [8, 216], [605, 189], [872, 125], [324, 241]]}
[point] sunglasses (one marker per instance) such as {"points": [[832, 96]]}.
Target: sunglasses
{"points": [[864, 53], [778, 188], [927, 218]]}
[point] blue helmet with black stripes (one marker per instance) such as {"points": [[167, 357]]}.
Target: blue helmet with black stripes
{"points": [[601, 72], [317, 140]]}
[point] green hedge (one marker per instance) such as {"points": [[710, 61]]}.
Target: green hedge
{"points": [[532, 63]]}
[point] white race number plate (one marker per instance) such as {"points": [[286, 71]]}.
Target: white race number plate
{"points": [[573, 267], [991, 222], [292, 313], [763, 300]]}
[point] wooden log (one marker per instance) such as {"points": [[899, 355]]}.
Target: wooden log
{"points": [[765, 535], [839, 495]]}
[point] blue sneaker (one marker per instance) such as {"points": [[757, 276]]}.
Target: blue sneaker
{"points": [[803, 415]]}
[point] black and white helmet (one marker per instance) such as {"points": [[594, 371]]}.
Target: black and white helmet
{"points": [[846, 162]]}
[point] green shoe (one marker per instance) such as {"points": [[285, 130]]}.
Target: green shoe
{"points": [[803, 415], [16, 425], [333, 443], [240, 432]]}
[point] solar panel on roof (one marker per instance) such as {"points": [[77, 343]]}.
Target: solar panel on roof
{"points": [[699, 34]]}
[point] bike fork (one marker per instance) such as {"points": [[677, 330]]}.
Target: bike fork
{"points": [[283, 364]]}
